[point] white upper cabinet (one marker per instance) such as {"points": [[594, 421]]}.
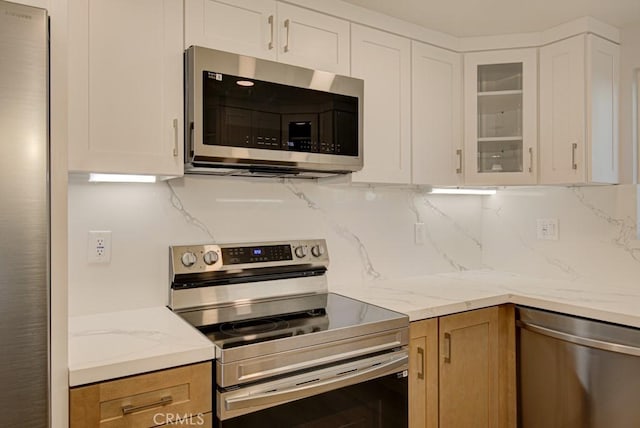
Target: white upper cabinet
{"points": [[313, 40], [246, 27], [383, 61], [271, 30], [436, 87], [578, 144], [125, 86], [500, 117]]}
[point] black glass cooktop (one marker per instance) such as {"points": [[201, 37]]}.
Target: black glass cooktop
{"points": [[233, 334], [338, 316]]}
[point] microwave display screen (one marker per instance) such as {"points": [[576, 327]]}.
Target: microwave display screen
{"points": [[254, 114]]}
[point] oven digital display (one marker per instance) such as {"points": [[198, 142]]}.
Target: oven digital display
{"points": [[267, 253]]}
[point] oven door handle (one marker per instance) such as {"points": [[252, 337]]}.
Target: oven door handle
{"points": [[310, 389]]}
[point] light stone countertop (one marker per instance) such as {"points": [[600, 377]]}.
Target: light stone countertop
{"points": [[111, 345], [443, 294]]}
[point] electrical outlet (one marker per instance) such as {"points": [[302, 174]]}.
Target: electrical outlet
{"points": [[547, 229], [420, 231], [99, 248]]}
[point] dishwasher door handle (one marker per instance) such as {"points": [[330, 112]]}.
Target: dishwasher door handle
{"points": [[313, 388], [578, 340]]}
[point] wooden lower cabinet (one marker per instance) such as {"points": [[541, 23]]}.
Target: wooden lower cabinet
{"points": [[179, 396], [423, 374], [469, 370]]}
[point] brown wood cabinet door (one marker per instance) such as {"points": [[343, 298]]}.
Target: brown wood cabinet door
{"points": [[477, 369], [423, 374], [180, 394]]}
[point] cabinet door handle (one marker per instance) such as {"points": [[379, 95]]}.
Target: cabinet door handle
{"points": [[287, 25], [530, 159], [271, 32], [421, 357], [574, 165], [175, 137], [459, 155], [161, 402], [447, 347]]}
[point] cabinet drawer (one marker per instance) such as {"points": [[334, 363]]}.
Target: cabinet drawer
{"points": [[143, 401]]}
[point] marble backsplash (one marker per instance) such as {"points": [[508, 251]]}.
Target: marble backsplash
{"points": [[369, 231], [597, 239]]}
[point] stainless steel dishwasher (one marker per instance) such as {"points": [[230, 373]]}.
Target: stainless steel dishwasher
{"points": [[576, 372]]}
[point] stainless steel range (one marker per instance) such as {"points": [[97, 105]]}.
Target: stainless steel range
{"points": [[288, 353]]}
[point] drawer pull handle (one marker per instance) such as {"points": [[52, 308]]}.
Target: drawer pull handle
{"points": [[175, 137], [287, 25], [574, 147], [447, 348], [459, 155], [271, 32], [161, 402], [421, 356]]}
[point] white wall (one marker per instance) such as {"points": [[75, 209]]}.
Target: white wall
{"points": [[369, 231]]}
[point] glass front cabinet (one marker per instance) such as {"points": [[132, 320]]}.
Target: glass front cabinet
{"points": [[501, 117]]}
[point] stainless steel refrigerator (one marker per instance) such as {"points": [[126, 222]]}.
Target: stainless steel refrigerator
{"points": [[24, 217]]}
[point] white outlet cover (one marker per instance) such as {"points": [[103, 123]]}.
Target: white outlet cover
{"points": [[547, 229], [99, 246]]}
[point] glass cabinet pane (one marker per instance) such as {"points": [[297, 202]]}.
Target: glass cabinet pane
{"points": [[500, 77], [500, 143], [500, 116], [500, 156]]}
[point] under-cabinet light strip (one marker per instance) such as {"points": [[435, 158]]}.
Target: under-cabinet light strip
{"points": [[457, 191], [121, 178]]}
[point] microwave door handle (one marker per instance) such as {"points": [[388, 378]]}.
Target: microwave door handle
{"points": [[310, 389]]}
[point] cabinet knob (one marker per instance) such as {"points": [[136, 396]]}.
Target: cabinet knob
{"points": [[210, 257], [188, 259], [317, 250], [300, 251]]}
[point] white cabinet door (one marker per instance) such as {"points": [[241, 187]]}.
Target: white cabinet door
{"points": [[437, 116], [562, 112], [246, 27], [383, 60], [125, 80], [270, 30], [313, 40], [501, 117], [577, 144], [603, 71]]}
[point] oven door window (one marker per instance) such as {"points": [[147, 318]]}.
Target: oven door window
{"points": [[377, 403]]}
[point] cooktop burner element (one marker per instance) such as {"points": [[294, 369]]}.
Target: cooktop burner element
{"points": [[238, 333], [252, 327]]}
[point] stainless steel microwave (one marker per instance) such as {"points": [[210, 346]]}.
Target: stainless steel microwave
{"points": [[249, 116]]}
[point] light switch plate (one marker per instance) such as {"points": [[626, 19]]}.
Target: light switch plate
{"points": [[547, 229]]}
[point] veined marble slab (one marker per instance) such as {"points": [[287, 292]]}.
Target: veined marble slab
{"points": [[444, 294], [111, 345]]}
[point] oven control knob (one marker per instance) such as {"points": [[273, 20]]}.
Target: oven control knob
{"points": [[210, 257], [317, 250], [300, 251], [188, 259]]}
